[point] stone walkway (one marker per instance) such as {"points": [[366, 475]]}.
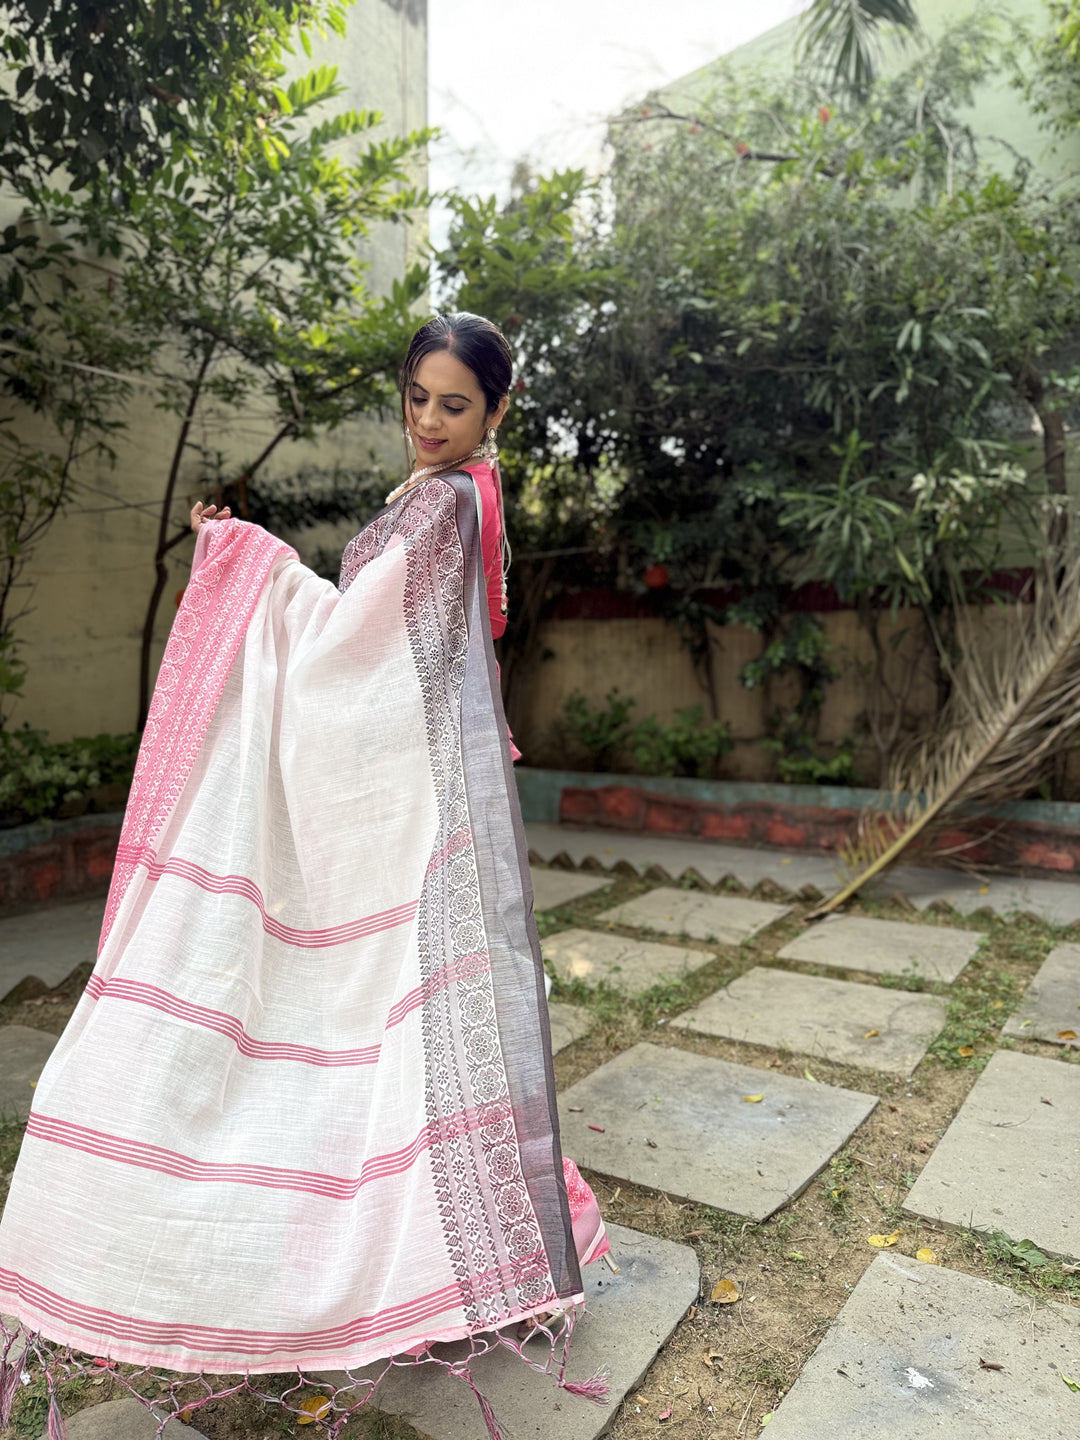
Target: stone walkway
{"points": [[918, 1349], [1057, 901]]}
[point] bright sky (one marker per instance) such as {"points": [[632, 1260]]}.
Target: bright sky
{"points": [[510, 78]]}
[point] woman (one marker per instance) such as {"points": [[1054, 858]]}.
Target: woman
{"points": [[304, 1114]]}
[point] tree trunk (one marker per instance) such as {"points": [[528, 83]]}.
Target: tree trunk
{"points": [[164, 542]]}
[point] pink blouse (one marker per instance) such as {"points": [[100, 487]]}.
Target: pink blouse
{"points": [[491, 553], [490, 541]]}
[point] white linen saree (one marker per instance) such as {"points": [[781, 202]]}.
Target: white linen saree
{"points": [[304, 1114]]}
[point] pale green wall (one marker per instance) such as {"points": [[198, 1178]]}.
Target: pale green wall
{"points": [[999, 109]]}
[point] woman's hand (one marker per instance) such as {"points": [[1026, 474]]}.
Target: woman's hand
{"points": [[200, 512]]}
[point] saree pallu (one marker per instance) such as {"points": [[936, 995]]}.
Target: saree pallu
{"points": [[304, 1114]]}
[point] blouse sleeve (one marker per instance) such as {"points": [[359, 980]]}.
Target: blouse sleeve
{"points": [[491, 547]]}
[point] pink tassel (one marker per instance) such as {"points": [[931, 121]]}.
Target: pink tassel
{"points": [[9, 1383], [485, 1410], [10, 1371], [57, 1429], [598, 1389]]}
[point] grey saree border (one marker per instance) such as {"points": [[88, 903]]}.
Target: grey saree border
{"points": [[506, 891], [478, 883]]}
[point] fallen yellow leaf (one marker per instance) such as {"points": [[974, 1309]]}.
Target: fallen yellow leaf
{"points": [[965, 1050], [312, 1409], [812, 1078], [883, 1242], [870, 1033], [753, 1099], [1066, 1034], [926, 1255], [725, 1292]]}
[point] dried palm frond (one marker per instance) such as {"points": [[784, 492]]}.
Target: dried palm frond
{"points": [[1015, 705]]}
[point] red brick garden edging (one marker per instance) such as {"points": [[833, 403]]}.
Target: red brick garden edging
{"points": [[69, 861], [984, 840]]}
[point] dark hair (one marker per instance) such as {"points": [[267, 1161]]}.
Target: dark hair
{"points": [[474, 341]]}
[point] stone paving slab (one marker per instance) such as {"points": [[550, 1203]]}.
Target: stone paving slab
{"points": [[629, 1317], [23, 1053], [1009, 1161], [568, 1023], [1050, 1009], [712, 861], [120, 1420], [631, 966], [864, 1025], [49, 943], [901, 1362], [708, 1143], [885, 947], [552, 888], [1057, 901], [726, 919]]}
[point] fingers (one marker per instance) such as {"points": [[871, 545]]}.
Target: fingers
{"points": [[201, 512]]}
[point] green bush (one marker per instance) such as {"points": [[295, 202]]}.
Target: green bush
{"points": [[798, 765], [600, 730], [41, 779], [686, 746]]}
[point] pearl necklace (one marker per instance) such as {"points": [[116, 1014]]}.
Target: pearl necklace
{"points": [[418, 475]]}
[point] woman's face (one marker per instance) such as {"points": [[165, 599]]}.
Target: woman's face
{"points": [[446, 410]]}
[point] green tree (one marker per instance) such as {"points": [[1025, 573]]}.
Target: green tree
{"points": [[240, 274], [768, 284], [108, 97], [229, 268], [106, 91]]}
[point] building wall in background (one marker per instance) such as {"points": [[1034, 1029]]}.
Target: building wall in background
{"points": [[999, 115], [91, 576]]}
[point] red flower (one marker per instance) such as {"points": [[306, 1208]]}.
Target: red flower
{"points": [[742, 148], [519, 386], [824, 114], [656, 577]]}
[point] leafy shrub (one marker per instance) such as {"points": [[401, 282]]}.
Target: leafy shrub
{"points": [[798, 765], [686, 746], [599, 730], [606, 733], [39, 779]]}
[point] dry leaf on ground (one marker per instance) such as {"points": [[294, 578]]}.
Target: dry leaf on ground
{"points": [[926, 1255], [725, 1292], [883, 1242], [753, 1099], [312, 1409], [965, 1050]]}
